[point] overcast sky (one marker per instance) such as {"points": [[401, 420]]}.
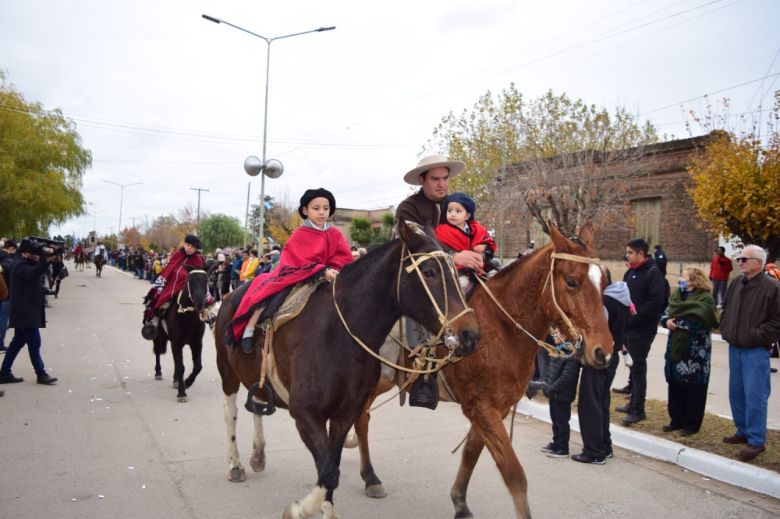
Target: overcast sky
{"points": [[163, 97]]}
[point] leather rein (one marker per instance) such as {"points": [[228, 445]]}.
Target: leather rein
{"points": [[450, 339], [183, 309], [566, 348]]}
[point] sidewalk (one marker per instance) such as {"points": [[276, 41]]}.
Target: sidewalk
{"points": [[717, 467]]}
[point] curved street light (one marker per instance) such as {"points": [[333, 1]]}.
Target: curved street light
{"points": [[121, 200], [272, 168]]}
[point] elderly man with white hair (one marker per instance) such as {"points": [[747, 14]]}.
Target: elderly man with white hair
{"points": [[750, 323]]}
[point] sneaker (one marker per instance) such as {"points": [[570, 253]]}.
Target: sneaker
{"points": [[749, 452], [558, 453], [10, 379], [585, 458], [624, 409], [548, 448], [671, 427], [633, 418], [622, 390], [735, 439], [610, 453], [3, 349]]}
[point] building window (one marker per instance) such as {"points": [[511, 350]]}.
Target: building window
{"points": [[647, 219]]}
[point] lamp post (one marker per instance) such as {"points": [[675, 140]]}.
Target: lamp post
{"points": [[197, 222], [121, 200], [253, 166]]}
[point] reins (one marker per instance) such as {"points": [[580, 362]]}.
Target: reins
{"points": [[573, 331], [183, 309], [450, 340]]}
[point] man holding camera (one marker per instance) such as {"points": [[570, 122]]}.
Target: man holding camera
{"points": [[28, 311]]}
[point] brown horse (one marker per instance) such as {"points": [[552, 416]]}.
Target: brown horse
{"points": [[80, 260], [99, 261], [317, 366], [488, 383]]}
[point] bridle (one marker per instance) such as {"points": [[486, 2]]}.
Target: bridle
{"points": [[565, 348], [183, 309], [450, 339]]}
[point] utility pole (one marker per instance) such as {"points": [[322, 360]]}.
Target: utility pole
{"points": [[197, 224]]}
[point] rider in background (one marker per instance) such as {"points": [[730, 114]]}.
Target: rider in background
{"points": [[171, 280], [100, 249]]}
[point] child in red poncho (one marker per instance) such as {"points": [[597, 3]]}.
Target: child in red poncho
{"points": [[315, 248], [463, 232]]}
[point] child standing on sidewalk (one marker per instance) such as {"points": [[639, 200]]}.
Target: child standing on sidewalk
{"points": [[560, 389]]}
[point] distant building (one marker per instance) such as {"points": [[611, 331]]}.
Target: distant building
{"points": [[656, 206], [342, 219]]}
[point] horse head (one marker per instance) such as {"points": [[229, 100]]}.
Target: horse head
{"points": [[195, 291], [429, 292], [577, 283]]}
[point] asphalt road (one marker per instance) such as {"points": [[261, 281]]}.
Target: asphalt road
{"points": [[110, 441]]}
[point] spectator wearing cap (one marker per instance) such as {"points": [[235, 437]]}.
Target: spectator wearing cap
{"points": [[28, 311], [172, 279]]}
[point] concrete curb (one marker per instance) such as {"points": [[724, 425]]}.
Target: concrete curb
{"points": [[723, 469]]}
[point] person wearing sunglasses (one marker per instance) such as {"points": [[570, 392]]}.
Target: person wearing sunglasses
{"points": [[750, 323]]}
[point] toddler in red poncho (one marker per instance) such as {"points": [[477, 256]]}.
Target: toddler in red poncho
{"points": [[463, 232]]}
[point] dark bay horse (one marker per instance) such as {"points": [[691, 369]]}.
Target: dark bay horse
{"points": [[99, 261], [183, 323], [488, 383], [319, 363], [80, 261]]}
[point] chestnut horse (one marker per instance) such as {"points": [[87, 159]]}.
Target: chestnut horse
{"points": [[182, 324], [488, 383], [324, 358]]}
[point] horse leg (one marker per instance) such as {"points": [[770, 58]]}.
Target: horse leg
{"points": [[326, 450], [468, 460], [196, 349], [236, 472], [177, 350], [159, 344], [374, 486], [258, 445], [489, 424]]}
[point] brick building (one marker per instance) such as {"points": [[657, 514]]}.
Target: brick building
{"points": [[654, 205]]}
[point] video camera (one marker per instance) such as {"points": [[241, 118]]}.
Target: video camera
{"points": [[36, 244]]}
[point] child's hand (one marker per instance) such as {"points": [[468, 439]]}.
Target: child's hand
{"points": [[330, 274]]}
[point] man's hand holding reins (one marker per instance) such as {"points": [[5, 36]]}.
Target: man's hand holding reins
{"points": [[468, 259]]}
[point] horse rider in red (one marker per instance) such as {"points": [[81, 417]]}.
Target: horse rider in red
{"points": [[314, 249], [169, 283]]}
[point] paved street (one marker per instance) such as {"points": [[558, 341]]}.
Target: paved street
{"points": [[110, 441]]}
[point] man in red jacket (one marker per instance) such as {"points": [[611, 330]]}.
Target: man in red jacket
{"points": [[720, 268]]}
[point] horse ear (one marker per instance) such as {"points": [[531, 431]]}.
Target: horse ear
{"points": [[586, 235], [561, 243], [410, 232]]}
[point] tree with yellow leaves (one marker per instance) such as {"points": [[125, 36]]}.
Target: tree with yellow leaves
{"points": [[737, 185]]}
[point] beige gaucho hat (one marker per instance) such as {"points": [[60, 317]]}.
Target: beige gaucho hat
{"points": [[430, 162]]}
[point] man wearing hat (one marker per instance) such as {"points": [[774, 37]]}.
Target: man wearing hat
{"points": [[433, 174], [170, 282]]}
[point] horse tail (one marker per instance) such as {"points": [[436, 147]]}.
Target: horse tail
{"points": [[160, 347]]}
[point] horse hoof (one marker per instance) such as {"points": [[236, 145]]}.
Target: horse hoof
{"points": [[158, 377], [258, 465], [237, 475], [181, 399], [376, 491]]}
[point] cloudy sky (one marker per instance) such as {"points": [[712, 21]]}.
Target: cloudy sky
{"points": [[165, 98]]}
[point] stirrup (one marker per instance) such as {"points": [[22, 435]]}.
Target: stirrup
{"points": [[253, 406], [425, 392], [149, 330]]}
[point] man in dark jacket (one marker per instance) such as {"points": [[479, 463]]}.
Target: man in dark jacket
{"points": [[647, 287], [28, 312], [750, 324], [659, 256], [8, 259]]}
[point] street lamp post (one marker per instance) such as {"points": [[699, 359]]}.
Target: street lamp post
{"points": [[121, 200], [272, 168]]}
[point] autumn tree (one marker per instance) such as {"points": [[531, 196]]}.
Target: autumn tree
{"points": [[220, 230], [41, 165], [736, 181], [163, 233], [554, 153]]}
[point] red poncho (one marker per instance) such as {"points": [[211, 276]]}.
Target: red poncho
{"points": [[307, 252], [175, 276], [457, 239]]}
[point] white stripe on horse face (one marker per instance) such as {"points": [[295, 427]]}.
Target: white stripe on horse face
{"points": [[594, 273]]}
